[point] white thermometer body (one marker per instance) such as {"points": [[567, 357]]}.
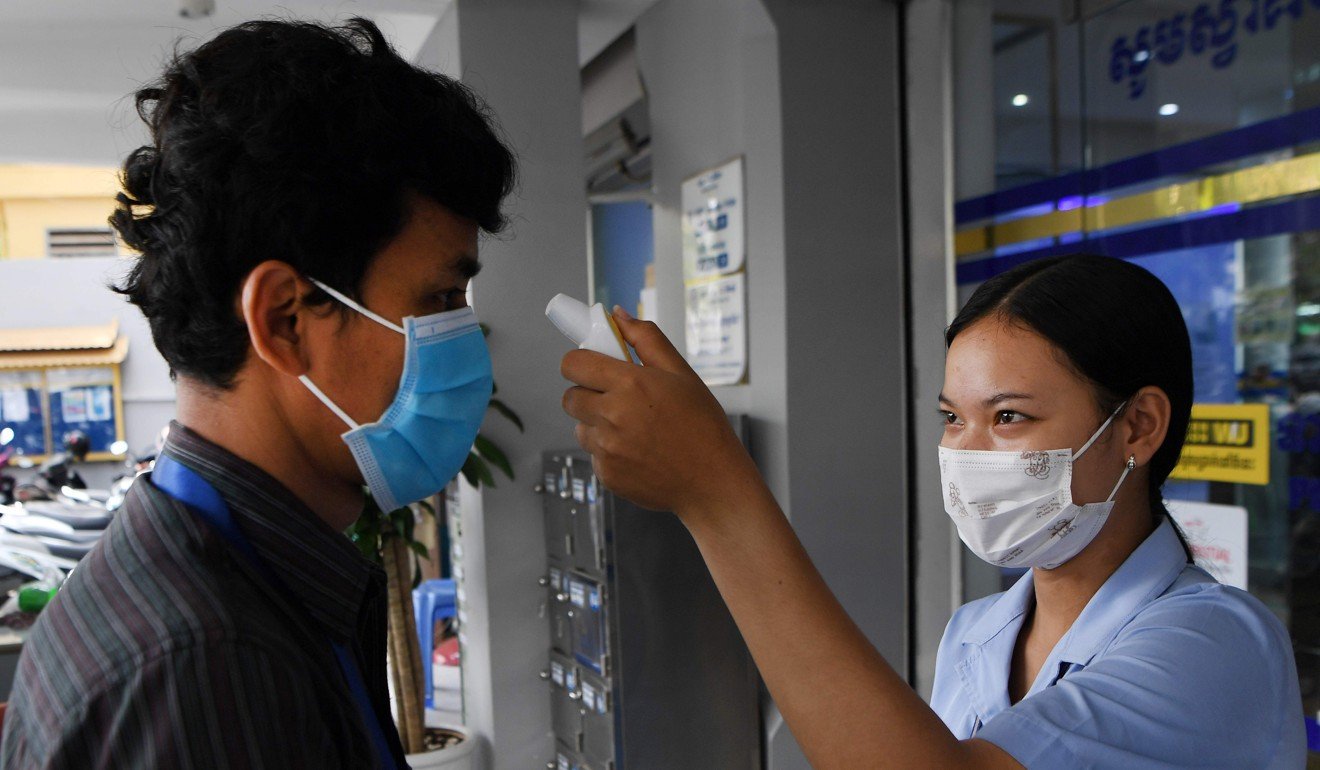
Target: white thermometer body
{"points": [[590, 328]]}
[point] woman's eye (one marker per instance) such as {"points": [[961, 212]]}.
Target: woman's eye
{"points": [[1007, 417], [948, 418]]}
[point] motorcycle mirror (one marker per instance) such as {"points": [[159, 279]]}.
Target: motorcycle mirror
{"points": [[76, 495], [6, 436], [119, 448]]}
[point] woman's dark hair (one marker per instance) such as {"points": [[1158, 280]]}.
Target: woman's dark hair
{"points": [[292, 141], [1115, 323]]}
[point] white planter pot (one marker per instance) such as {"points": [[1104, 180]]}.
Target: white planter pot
{"points": [[464, 756]]}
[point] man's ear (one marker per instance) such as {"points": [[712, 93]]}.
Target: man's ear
{"points": [[272, 307], [1147, 419]]}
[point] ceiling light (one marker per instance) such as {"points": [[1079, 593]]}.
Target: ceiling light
{"points": [[1021, 100], [1168, 109]]}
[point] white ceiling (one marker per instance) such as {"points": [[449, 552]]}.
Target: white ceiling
{"points": [[67, 67]]}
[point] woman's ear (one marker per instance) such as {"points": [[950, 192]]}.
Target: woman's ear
{"points": [[270, 303], [1146, 418]]}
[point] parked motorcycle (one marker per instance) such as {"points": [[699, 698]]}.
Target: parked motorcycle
{"points": [[50, 523], [58, 471], [56, 513]]}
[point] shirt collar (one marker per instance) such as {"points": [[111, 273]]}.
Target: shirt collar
{"points": [[987, 646], [1145, 575], [1005, 612], [324, 571]]}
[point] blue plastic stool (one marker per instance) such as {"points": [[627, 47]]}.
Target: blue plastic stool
{"points": [[432, 600]]}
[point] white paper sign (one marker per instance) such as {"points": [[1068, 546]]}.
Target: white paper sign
{"points": [[98, 404], [14, 405], [717, 329], [74, 405], [1218, 537], [713, 222]]}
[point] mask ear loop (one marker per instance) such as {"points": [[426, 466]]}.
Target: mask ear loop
{"points": [[380, 319], [307, 381], [1100, 432]]}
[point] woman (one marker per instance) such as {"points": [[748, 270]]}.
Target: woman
{"points": [[1067, 392]]}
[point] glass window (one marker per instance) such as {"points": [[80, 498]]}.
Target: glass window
{"points": [[1183, 136]]}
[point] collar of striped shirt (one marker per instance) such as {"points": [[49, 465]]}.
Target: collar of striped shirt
{"points": [[321, 567]]}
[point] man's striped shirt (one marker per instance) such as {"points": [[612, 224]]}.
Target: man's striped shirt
{"points": [[166, 648]]}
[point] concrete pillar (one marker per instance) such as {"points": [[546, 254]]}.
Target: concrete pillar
{"points": [[521, 56], [808, 94], [936, 550]]}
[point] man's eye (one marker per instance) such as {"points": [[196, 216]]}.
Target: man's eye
{"points": [[451, 299]]}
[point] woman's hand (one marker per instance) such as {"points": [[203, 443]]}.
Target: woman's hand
{"points": [[658, 437], [656, 434]]}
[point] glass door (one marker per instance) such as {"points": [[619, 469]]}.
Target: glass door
{"points": [[1183, 136]]}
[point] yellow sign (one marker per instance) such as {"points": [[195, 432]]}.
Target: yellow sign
{"points": [[1227, 442]]}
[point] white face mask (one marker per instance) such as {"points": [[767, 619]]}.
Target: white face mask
{"points": [[1015, 509]]}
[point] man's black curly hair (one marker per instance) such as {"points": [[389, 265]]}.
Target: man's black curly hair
{"points": [[293, 141]]}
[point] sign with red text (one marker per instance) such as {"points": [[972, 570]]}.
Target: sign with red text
{"points": [[1218, 537]]}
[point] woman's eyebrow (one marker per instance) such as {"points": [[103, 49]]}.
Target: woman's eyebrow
{"points": [[994, 400], [1000, 398]]}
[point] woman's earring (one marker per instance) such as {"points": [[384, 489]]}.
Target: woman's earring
{"points": [[1132, 462]]}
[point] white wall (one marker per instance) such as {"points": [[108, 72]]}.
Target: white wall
{"points": [[711, 69], [74, 292], [808, 93]]}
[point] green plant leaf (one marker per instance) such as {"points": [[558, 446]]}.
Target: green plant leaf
{"points": [[488, 451], [503, 408], [481, 470], [469, 470], [401, 524], [420, 550]]}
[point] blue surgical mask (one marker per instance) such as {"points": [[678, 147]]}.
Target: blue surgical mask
{"points": [[424, 437]]}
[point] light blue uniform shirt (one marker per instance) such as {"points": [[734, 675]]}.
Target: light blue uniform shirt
{"points": [[1164, 668]]}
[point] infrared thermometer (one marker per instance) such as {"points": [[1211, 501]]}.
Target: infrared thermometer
{"points": [[590, 328]]}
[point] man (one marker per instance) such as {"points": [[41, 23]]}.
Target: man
{"points": [[307, 214]]}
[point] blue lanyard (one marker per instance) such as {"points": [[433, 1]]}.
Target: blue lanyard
{"points": [[185, 485]]}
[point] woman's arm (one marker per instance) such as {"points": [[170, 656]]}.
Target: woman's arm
{"points": [[657, 436]]}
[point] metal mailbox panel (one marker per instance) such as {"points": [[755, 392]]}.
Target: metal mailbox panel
{"points": [[558, 512], [565, 689], [558, 606], [590, 636], [587, 520], [597, 713]]}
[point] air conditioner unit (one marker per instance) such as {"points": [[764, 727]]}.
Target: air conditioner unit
{"points": [[616, 126]]}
